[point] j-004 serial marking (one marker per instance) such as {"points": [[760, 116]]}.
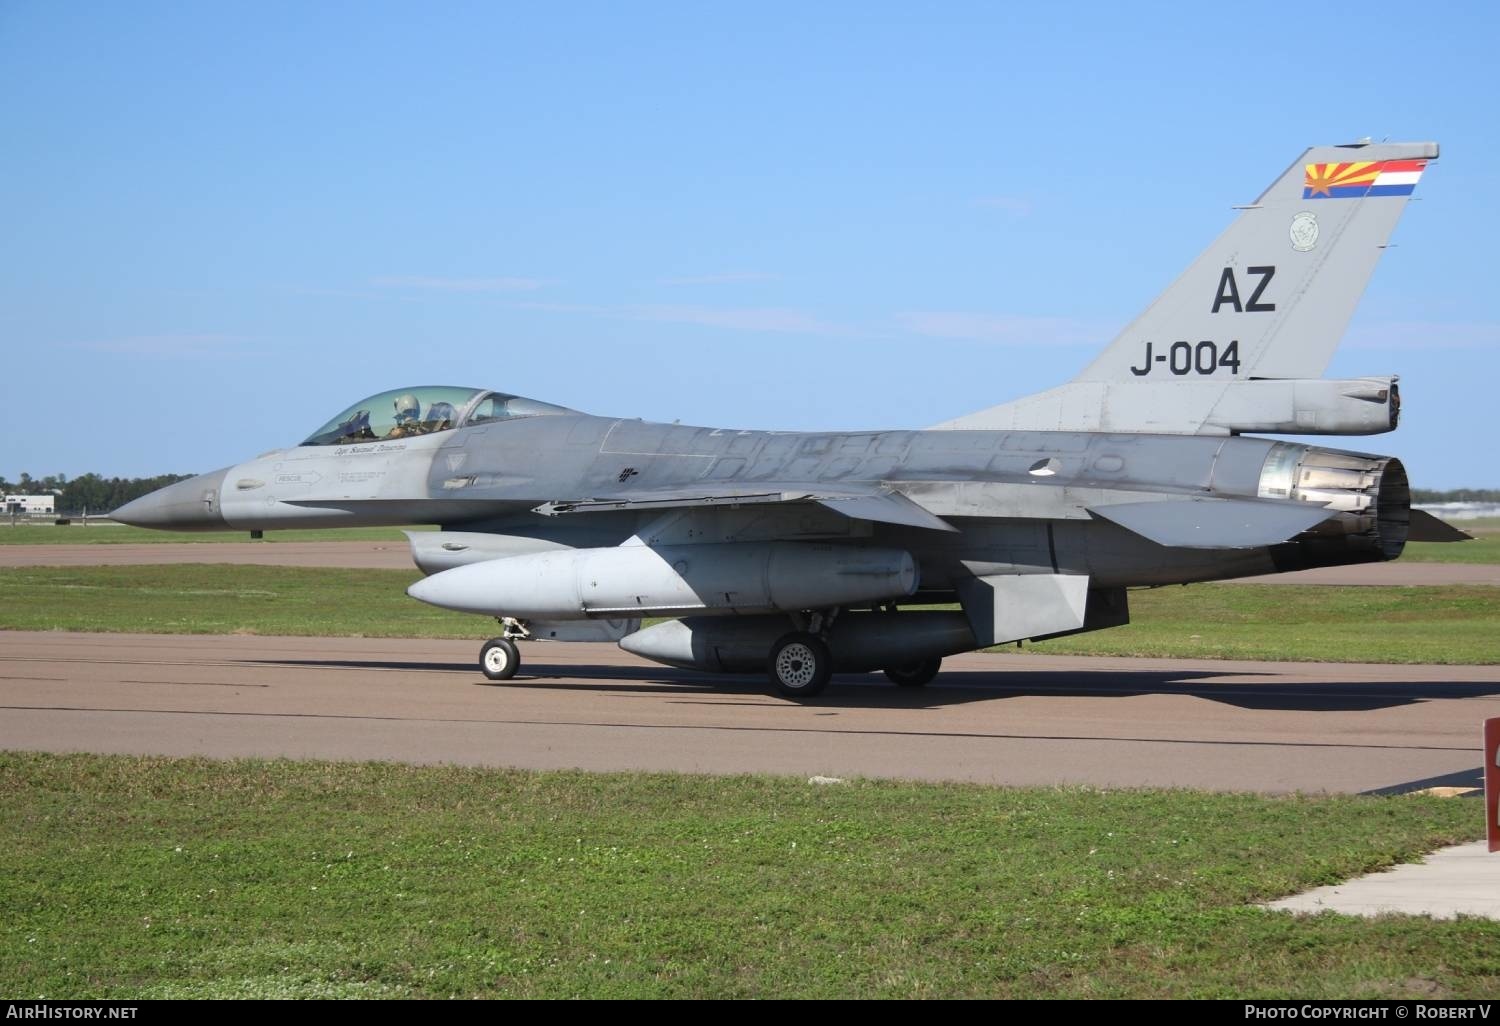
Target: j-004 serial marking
{"points": [[1188, 358]]}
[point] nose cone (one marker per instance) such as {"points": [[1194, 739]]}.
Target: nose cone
{"points": [[191, 505]]}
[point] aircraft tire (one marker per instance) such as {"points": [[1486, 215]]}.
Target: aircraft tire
{"points": [[499, 659], [917, 675], [800, 665]]}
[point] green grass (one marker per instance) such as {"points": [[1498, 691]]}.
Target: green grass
{"points": [[1219, 621], [225, 599], [157, 878], [1485, 548], [1454, 624], [120, 534]]}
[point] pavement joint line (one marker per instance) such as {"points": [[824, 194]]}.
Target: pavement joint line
{"points": [[934, 735], [1041, 690], [197, 683]]}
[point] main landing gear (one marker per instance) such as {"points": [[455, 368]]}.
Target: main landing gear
{"points": [[800, 665], [915, 676]]}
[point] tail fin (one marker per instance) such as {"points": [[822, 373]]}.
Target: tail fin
{"points": [[1270, 298]]}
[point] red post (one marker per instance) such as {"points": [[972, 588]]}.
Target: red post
{"points": [[1492, 781]]}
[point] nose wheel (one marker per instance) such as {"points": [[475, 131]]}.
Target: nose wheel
{"points": [[499, 659]]}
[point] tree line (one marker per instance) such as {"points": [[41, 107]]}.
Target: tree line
{"points": [[90, 491]]}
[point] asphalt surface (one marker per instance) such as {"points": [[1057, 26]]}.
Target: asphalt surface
{"points": [[998, 719], [395, 555]]}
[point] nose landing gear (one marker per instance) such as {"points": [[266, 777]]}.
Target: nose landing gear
{"points": [[499, 659]]}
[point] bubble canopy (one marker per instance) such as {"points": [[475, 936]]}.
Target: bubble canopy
{"points": [[424, 410]]}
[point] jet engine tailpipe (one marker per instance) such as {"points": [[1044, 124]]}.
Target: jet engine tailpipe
{"points": [[1369, 495]]}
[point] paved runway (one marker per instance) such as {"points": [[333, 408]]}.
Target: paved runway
{"points": [[1005, 719], [395, 555]]}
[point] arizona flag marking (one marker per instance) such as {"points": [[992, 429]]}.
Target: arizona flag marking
{"points": [[1361, 178]]}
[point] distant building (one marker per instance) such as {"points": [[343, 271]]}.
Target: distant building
{"points": [[30, 504]]}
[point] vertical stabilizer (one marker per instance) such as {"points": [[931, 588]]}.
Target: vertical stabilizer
{"points": [[1270, 298]]}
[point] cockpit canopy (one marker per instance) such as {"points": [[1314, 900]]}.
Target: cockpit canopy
{"points": [[424, 410]]}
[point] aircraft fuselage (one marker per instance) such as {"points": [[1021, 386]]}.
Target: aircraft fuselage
{"points": [[1021, 501]]}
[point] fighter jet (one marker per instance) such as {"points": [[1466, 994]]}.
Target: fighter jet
{"points": [[806, 554]]}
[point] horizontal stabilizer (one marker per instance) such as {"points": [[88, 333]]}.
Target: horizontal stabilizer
{"points": [[1204, 523], [1013, 607], [1427, 528]]}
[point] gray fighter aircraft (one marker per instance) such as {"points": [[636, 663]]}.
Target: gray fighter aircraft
{"points": [[805, 554]]}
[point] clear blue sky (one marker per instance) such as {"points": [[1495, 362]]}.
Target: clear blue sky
{"points": [[223, 222]]}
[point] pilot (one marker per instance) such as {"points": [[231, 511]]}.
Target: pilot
{"points": [[440, 417], [408, 411]]}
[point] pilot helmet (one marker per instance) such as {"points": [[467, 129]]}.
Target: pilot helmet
{"points": [[407, 408]]}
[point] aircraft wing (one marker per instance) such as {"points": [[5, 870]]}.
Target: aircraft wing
{"points": [[857, 504], [1209, 523]]}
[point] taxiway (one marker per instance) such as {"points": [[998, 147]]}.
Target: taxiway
{"points": [[991, 718]]}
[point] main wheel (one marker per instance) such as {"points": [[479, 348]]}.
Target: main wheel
{"points": [[499, 659], [916, 675], [800, 665]]}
